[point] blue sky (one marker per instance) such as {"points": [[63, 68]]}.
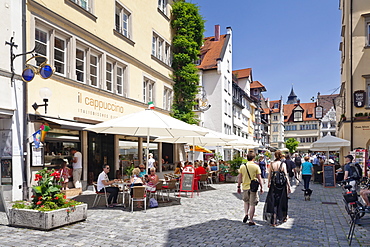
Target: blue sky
{"points": [[285, 42]]}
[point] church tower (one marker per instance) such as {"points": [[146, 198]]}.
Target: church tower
{"points": [[292, 98]]}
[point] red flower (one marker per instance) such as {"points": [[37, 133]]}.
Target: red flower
{"points": [[64, 196], [56, 198], [39, 202], [40, 197], [32, 196]]}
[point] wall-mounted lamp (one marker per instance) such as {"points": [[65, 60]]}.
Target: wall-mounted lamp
{"points": [[45, 94]]}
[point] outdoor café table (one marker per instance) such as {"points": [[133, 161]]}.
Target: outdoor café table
{"points": [[122, 189]]}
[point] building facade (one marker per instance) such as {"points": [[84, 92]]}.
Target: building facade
{"points": [[353, 103], [111, 58], [12, 102], [277, 124], [328, 123]]}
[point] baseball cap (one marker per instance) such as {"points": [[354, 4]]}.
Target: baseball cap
{"points": [[331, 161], [349, 157]]}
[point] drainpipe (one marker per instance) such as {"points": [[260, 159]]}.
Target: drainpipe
{"points": [[351, 69], [25, 122]]}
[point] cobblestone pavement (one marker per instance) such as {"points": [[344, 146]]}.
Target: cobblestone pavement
{"points": [[211, 219]]}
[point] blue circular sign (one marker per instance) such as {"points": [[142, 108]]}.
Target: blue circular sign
{"points": [[46, 71], [28, 74]]}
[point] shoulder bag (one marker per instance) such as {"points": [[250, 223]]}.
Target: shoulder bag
{"points": [[254, 183]]}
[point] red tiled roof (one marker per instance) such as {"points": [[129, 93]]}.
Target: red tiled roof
{"points": [[266, 111], [257, 84], [242, 73], [308, 108], [210, 52], [272, 103]]}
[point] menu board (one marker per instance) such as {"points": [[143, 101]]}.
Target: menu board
{"points": [[329, 176], [187, 182], [6, 171]]}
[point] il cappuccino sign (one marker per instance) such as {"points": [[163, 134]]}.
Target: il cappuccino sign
{"points": [[359, 98]]}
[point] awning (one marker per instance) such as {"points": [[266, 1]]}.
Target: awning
{"points": [[200, 149], [64, 124]]}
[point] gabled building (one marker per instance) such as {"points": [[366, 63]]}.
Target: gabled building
{"points": [[276, 109], [256, 90], [216, 81], [329, 121], [300, 123]]}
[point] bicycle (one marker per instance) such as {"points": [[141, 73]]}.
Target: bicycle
{"points": [[353, 206]]}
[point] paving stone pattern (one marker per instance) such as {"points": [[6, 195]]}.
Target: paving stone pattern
{"points": [[214, 218]]}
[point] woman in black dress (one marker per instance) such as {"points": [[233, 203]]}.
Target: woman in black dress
{"points": [[276, 205]]}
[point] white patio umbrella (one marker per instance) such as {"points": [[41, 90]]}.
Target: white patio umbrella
{"points": [[329, 143], [147, 123], [211, 138]]}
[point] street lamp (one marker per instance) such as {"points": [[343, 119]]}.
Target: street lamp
{"points": [[45, 94]]}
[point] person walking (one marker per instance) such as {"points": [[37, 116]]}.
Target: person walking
{"points": [[151, 162], [249, 172], [297, 170], [77, 168], [276, 204], [307, 171], [262, 165]]}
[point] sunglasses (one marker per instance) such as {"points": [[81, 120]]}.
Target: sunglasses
{"points": [[107, 168]]}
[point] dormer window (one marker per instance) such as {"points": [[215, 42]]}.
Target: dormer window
{"points": [[276, 105], [297, 116]]}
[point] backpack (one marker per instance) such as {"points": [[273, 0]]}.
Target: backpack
{"points": [[153, 203], [278, 177], [298, 161], [356, 171]]}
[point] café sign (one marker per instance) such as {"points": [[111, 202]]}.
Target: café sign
{"points": [[359, 98], [318, 112]]}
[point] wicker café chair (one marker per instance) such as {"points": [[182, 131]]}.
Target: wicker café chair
{"points": [[138, 195]]}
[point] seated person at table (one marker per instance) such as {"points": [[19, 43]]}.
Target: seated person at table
{"points": [[178, 168], [213, 166], [207, 167], [136, 181], [142, 170], [152, 180], [199, 170], [103, 182]]}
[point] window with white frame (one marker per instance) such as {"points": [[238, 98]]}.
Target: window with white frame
{"points": [[274, 138], [367, 24], [41, 43], [59, 55], [123, 20], [162, 6], [225, 107], [276, 128], [276, 118], [109, 76], [167, 99], [161, 49], [120, 80], [94, 70], [80, 65], [148, 90], [85, 4], [368, 92], [298, 116], [225, 84]]}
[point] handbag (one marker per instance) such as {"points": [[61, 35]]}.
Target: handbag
{"points": [[254, 183]]}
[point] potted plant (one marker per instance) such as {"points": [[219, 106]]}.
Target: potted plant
{"points": [[343, 117], [49, 207], [234, 167]]}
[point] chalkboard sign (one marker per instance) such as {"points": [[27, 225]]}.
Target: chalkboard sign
{"points": [[329, 176], [187, 182]]}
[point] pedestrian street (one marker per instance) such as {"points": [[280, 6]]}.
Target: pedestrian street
{"points": [[214, 218]]}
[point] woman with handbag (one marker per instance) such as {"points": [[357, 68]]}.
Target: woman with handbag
{"points": [[276, 205], [250, 177]]}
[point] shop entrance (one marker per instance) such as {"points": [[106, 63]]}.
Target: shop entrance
{"points": [[100, 152]]}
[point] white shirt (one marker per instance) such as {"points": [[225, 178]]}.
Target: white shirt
{"points": [[151, 163], [102, 176], [78, 164]]}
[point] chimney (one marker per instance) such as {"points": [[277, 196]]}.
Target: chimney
{"points": [[217, 32]]}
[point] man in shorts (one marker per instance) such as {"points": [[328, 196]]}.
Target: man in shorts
{"points": [[250, 198]]}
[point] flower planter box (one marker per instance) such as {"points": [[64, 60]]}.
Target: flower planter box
{"points": [[46, 220]]}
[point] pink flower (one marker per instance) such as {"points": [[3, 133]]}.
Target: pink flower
{"points": [[39, 202]]}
